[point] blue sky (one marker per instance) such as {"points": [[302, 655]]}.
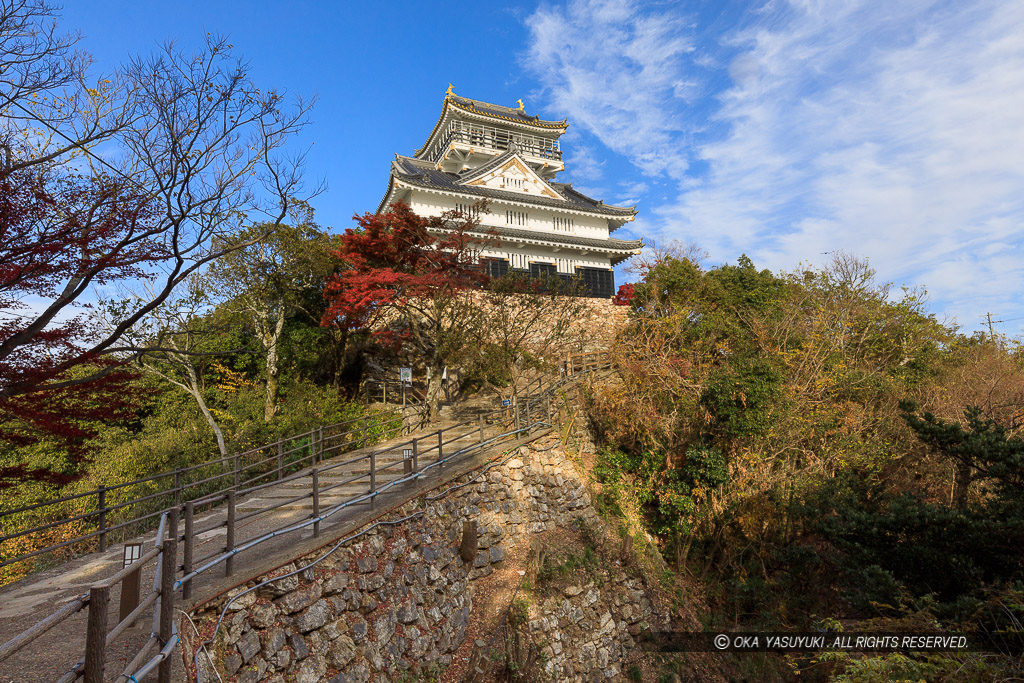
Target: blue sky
{"points": [[779, 129]]}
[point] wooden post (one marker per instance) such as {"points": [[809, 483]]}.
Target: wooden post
{"points": [[230, 541], [96, 634], [529, 412], [235, 465], [101, 507], [548, 402], [320, 444], [373, 477], [366, 429], [280, 458], [440, 445], [167, 573], [316, 503], [470, 541], [173, 519], [177, 488], [481, 421], [415, 455], [186, 563], [131, 586], [384, 388]]}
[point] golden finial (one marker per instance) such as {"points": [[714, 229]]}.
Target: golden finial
{"points": [[449, 90], [520, 103]]}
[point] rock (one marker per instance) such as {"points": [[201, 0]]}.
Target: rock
{"points": [[299, 599], [263, 615], [232, 662], [483, 559], [371, 583], [365, 565], [407, 613], [315, 616], [514, 464], [240, 599], [273, 640], [311, 671], [298, 644], [572, 591], [359, 630], [384, 627], [336, 584], [343, 651], [496, 553], [248, 646]]}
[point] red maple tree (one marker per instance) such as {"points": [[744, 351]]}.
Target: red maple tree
{"points": [[59, 236], [404, 277]]}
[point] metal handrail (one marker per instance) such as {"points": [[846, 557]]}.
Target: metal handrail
{"points": [[165, 583]]}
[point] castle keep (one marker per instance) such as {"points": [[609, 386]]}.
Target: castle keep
{"points": [[509, 158]]}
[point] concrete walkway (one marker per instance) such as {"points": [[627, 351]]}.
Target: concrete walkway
{"points": [[27, 601]]}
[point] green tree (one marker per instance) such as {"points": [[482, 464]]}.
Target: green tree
{"points": [[267, 281]]}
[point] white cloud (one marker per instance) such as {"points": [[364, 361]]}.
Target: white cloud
{"points": [[617, 73], [891, 130]]}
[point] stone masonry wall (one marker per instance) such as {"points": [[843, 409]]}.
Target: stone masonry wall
{"points": [[401, 597]]}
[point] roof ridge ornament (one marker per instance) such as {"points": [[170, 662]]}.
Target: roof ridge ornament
{"points": [[448, 93], [520, 103]]}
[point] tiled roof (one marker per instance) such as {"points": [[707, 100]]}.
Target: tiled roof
{"points": [[425, 174], [611, 243], [505, 113]]}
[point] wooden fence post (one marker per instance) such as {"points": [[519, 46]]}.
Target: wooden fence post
{"points": [[186, 563], [319, 445], [415, 456], [481, 421], [280, 458], [235, 465], [96, 634], [168, 555], [440, 445], [177, 488], [101, 508], [230, 541], [366, 431]]}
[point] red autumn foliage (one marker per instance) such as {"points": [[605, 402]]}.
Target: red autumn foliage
{"points": [[393, 258], [624, 296], [59, 237]]}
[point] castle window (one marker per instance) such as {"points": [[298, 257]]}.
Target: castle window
{"points": [[563, 224], [516, 218], [470, 210]]}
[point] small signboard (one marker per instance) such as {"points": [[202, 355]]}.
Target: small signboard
{"points": [[407, 454], [132, 552], [405, 375], [506, 402]]}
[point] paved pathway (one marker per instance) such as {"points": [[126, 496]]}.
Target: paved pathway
{"points": [[27, 601]]}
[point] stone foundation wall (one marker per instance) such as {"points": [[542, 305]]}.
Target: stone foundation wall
{"points": [[400, 597]]}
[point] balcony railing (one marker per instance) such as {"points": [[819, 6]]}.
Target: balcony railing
{"points": [[489, 137]]}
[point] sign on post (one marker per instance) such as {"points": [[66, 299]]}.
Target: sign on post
{"points": [[407, 460], [405, 375], [506, 402], [131, 585]]}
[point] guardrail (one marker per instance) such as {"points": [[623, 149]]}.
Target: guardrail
{"points": [[125, 518], [520, 417]]}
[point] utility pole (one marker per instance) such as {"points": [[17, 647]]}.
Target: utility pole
{"points": [[991, 332]]}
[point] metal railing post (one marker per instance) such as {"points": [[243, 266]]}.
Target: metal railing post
{"points": [[316, 503], [168, 556], [96, 634], [186, 563], [101, 508], [230, 541]]}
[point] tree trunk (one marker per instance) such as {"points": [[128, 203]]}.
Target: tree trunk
{"points": [[272, 385], [961, 482], [433, 392], [194, 389]]}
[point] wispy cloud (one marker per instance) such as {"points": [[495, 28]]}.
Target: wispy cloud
{"points": [[892, 130], [620, 73]]}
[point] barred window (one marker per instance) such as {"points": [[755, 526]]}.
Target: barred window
{"points": [[564, 224], [516, 218]]}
